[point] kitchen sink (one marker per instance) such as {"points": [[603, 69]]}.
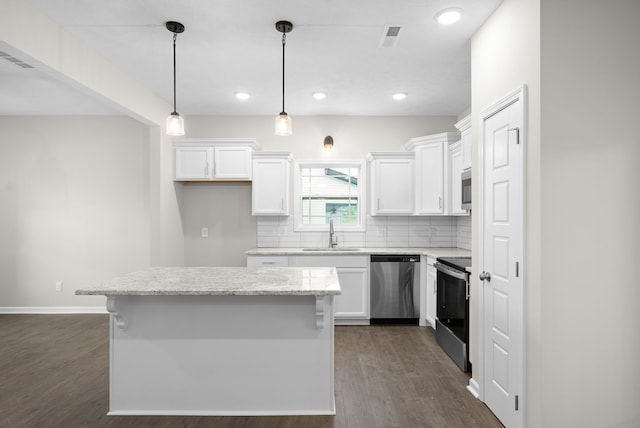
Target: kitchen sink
{"points": [[331, 249]]}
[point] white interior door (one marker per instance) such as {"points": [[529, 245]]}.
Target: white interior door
{"points": [[501, 261]]}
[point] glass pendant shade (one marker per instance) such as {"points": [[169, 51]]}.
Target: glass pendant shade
{"points": [[284, 125], [175, 125]]}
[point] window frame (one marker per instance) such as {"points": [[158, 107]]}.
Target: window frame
{"points": [[297, 197]]}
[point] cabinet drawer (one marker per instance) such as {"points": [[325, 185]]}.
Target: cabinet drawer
{"points": [[267, 261], [330, 261]]}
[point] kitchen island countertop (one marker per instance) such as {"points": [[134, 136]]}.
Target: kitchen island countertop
{"points": [[220, 281]]}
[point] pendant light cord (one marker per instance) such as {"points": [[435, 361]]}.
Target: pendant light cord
{"points": [[174, 72], [284, 41]]}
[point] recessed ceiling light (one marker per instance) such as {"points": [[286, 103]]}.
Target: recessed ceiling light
{"points": [[400, 96], [242, 95], [319, 95], [449, 16]]}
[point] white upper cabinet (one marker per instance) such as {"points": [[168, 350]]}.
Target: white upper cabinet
{"points": [[232, 163], [270, 186], [193, 163], [432, 172], [211, 159], [392, 183], [464, 126]]}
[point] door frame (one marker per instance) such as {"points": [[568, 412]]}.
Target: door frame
{"points": [[477, 383]]}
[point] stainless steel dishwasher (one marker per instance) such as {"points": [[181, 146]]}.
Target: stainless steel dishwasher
{"points": [[395, 289]]}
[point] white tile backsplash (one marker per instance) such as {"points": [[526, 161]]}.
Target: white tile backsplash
{"points": [[383, 232], [463, 231]]}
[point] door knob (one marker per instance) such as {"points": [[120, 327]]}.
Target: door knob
{"points": [[485, 276]]}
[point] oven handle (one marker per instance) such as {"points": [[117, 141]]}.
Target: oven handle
{"points": [[450, 271]]}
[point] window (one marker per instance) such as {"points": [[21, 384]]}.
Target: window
{"points": [[329, 191]]}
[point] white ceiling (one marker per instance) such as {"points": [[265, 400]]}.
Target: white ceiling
{"points": [[232, 45]]}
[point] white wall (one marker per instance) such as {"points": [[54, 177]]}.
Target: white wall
{"points": [[580, 62], [590, 199], [354, 137], [74, 206], [505, 53], [225, 209]]}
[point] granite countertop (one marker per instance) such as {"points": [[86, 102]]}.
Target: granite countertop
{"points": [[221, 281], [433, 251]]}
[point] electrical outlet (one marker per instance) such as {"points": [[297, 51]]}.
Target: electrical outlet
{"points": [[59, 286], [205, 232]]}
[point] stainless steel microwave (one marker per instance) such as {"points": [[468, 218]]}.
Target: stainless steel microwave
{"points": [[466, 189]]}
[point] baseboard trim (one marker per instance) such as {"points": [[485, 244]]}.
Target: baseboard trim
{"points": [[54, 310], [474, 388]]}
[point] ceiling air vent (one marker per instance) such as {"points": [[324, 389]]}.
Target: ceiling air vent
{"points": [[14, 60], [389, 36]]}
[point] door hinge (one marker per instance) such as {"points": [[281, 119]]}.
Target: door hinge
{"points": [[517, 133], [516, 403], [517, 269]]}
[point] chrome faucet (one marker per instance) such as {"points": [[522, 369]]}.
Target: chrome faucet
{"points": [[333, 238]]}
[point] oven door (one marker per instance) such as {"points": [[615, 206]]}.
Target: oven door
{"points": [[453, 299]]}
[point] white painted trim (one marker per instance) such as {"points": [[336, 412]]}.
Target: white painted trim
{"points": [[463, 124], [53, 310], [352, 321], [474, 388], [211, 142], [362, 201], [514, 96], [390, 155], [446, 137], [217, 413]]}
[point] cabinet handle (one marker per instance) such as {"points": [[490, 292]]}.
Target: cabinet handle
{"points": [[268, 263], [440, 202], [378, 209]]}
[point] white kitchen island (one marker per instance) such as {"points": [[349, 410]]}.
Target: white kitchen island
{"points": [[221, 341]]}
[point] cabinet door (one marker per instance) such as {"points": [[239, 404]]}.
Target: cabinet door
{"points": [[270, 187], [232, 163], [431, 293], [466, 149], [193, 163], [267, 261], [455, 157], [430, 164], [354, 300], [392, 187]]}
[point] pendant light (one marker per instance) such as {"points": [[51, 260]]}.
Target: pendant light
{"points": [[175, 123], [283, 120]]}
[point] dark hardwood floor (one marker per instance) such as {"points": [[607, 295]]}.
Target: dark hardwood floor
{"points": [[54, 372]]}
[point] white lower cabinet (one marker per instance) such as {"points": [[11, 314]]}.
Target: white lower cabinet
{"points": [[431, 290], [267, 261], [352, 306]]}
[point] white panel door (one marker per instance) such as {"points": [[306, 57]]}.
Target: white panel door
{"points": [[502, 242]]}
